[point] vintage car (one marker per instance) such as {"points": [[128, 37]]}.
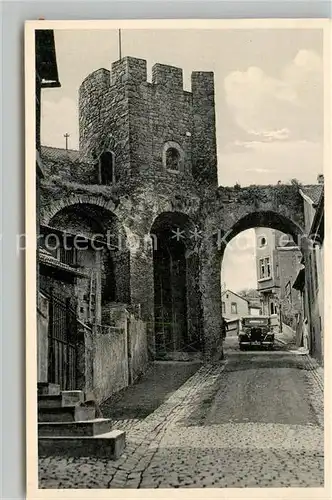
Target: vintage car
{"points": [[256, 330]]}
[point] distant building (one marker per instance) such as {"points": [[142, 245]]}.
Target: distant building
{"points": [[310, 278], [278, 260], [255, 306], [268, 282], [233, 305]]}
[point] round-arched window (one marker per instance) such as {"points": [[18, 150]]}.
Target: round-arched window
{"points": [[172, 157], [263, 242], [107, 168]]}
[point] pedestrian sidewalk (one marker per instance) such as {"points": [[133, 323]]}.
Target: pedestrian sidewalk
{"points": [[287, 336]]}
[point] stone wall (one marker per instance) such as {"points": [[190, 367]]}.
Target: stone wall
{"points": [[86, 359], [120, 111], [42, 338], [115, 355], [138, 209], [110, 363], [291, 302], [138, 352]]}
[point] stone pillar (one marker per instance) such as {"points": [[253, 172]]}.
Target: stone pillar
{"points": [[142, 284], [194, 306], [204, 149], [211, 300], [42, 338]]}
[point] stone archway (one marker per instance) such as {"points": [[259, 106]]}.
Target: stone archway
{"points": [[176, 284], [269, 219], [50, 206], [220, 234], [99, 243]]}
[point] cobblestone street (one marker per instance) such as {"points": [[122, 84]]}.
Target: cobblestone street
{"points": [[253, 420]]}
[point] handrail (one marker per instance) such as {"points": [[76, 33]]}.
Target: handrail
{"points": [[83, 324]]}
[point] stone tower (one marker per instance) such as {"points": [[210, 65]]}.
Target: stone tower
{"points": [[139, 130]]}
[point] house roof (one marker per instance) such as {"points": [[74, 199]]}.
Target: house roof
{"points": [[230, 291], [318, 220], [59, 154], [48, 260], [46, 64], [299, 281], [45, 228], [313, 192], [256, 303]]}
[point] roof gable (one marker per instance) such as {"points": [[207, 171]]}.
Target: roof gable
{"points": [[236, 295], [312, 192]]}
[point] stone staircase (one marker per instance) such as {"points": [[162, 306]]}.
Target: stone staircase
{"points": [[68, 426]]}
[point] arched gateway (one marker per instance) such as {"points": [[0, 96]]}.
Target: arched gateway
{"points": [[232, 211], [175, 287]]}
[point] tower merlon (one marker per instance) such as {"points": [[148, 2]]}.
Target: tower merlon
{"points": [[99, 79], [202, 82], [129, 69], [170, 76]]}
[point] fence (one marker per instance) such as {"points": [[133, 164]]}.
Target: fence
{"points": [[64, 341]]}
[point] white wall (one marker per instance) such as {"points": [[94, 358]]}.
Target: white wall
{"points": [[242, 305]]}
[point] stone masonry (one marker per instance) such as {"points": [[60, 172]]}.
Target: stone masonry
{"points": [[161, 142]]}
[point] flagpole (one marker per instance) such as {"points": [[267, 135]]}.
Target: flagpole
{"points": [[120, 55]]}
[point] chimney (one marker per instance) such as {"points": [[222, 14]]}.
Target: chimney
{"points": [[320, 179]]}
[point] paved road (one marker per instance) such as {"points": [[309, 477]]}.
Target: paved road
{"points": [[260, 386], [254, 420]]}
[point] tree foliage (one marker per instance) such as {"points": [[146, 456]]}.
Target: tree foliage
{"points": [[249, 293]]}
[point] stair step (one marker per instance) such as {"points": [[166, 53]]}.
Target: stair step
{"points": [[110, 445], [65, 398], [72, 397], [82, 428], [49, 401], [48, 389], [66, 414]]}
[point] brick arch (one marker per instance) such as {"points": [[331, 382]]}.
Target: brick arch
{"points": [[56, 206], [230, 205], [176, 276], [174, 218], [264, 218]]}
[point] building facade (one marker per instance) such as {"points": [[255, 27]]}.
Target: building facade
{"points": [[233, 305], [310, 278], [267, 268], [278, 260]]}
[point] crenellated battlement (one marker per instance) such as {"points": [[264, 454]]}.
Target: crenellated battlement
{"points": [[131, 69], [169, 76]]}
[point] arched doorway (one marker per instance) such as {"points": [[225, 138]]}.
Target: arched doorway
{"points": [[93, 239], [176, 284], [260, 258]]}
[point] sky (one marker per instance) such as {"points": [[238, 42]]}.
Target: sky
{"points": [[238, 270], [268, 93]]}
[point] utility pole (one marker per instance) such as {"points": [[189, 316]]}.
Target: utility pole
{"points": [[120, 48], [66, 136]]}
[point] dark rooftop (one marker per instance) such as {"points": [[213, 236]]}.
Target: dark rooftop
{"points": [[59, 154], [47, 259], [313, 192]]}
